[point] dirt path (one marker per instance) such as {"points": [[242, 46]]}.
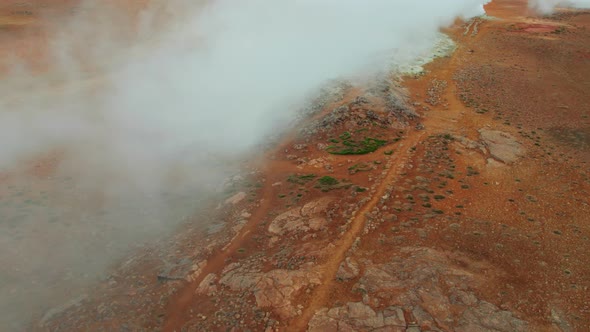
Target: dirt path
{"points": [[272, 170], [179, 303], [330, 267], [442, 118], [459, 239]]}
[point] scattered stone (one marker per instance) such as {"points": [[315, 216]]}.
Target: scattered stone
{"points": [[493, 163], [53, 312], [454, 226], [237, 198], [348, 270], [207, 286], [557, 317], [299, 146]]}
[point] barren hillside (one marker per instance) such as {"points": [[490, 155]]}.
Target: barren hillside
{"points": [[456, 199]]}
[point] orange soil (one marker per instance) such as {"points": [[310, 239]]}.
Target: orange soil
{"points": [[528, 220], [492, 204], [495, 196]]}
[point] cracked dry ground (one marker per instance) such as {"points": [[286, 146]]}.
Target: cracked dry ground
{"points": [[473, 216]]}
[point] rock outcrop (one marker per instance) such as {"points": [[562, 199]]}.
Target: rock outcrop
{"points": [[274, 289], [302, 219], [419, 289], [503, 146]]}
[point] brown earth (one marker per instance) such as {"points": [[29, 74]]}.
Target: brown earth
{"points": [[474, 216]]}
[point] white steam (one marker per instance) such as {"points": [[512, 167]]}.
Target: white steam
{"points": [[215, 83], [145, 118], [547, 6]]}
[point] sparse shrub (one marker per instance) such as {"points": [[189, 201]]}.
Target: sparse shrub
{"points": [[348, 146], [328, 181], [301, 179]]}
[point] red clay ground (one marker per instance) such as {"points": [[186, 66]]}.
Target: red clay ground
{"points": [[475, 215]]}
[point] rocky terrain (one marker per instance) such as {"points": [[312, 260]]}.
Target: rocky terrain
{"points": [[456, 199]]}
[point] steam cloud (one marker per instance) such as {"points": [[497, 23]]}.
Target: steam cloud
{"points": [[547, 6], [146, 120]]}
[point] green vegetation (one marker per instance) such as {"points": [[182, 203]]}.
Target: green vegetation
{"points": [[471, 171], [347, 146], [345, 136], [360, 167], [328, 181], [448, 137], [301, 179], [360, 189]]}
